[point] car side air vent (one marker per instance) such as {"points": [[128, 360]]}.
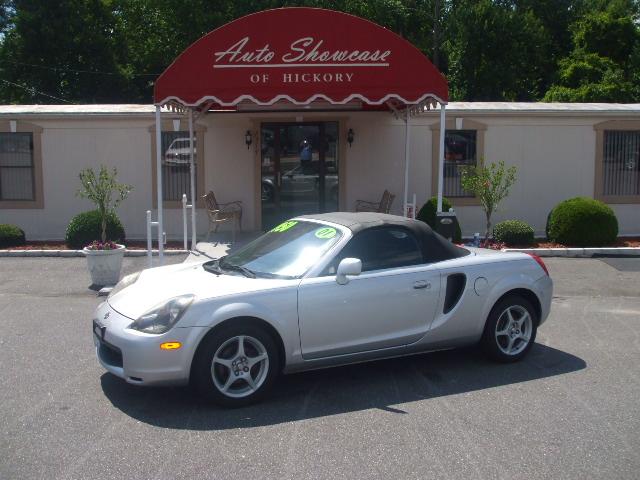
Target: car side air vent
{"points": [[455, 286]]}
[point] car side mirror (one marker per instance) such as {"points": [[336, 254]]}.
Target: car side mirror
{"points": [[348, 266]]}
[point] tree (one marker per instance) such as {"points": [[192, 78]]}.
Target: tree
{"points": [[53, 46], [100, 188], [603, 64], [495, 51], [490, 184]]}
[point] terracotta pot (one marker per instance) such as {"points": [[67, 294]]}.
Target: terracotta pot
{"points": [[104, 265]]}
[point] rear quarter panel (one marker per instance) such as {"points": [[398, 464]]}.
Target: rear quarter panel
{"points": [[488, 277]]}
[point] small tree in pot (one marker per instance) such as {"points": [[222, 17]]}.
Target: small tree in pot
{"points": [[490, 184], [104, 258]]}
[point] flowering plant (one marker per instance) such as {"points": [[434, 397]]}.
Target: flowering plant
{"points": [[493, 245], [97, 245]]}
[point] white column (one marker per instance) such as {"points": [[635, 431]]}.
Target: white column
{"points": [[443, 127], [192, 174], [159, 181], [406, 160]]}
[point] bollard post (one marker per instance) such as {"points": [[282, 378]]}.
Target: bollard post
{"points": [[184, 219], [149, 246]]}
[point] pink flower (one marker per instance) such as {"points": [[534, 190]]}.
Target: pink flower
{"points": [[97, 245]]}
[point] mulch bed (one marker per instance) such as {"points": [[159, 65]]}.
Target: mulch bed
{"points": [[620, 242], [57, 245]]}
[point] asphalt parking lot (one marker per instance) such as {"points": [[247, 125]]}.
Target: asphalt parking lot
{"points": [[570, 410]]}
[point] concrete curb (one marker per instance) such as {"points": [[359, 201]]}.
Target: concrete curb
{"points": [[78, 253], [577, 252]]}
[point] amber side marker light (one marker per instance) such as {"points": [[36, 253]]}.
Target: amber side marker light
{"points": [[170, 345]]}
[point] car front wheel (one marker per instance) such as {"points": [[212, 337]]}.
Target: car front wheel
{"points": [[510, 330], [236, 366]]}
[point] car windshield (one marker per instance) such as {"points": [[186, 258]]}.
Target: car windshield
{"points": [[286, 251]]}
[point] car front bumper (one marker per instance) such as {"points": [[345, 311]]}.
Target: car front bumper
{"points": [[137, 357]]}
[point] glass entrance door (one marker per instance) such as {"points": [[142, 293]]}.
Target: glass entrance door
{"points": [[299, 164]]}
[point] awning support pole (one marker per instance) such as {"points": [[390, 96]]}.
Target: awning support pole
{"points": [[159, 185], [406, 162], [443, 127], [192, 175]]}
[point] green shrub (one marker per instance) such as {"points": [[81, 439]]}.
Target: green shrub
{"points": [[427, 214], [11, 236], [583, 222], [86, 227], [513, 232]]}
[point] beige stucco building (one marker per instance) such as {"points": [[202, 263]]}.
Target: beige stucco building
{"points": [[560, 150]]}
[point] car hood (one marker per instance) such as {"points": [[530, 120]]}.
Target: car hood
{"points": [[157, 285]]}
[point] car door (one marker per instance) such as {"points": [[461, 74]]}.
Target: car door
{"points": [[391, 303]]}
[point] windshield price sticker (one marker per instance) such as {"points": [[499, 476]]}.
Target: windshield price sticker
{"points": [[326, 233], [283, 227]]}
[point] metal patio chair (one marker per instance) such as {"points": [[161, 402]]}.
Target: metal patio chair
{"points": [[383, 206], [222, 212]]}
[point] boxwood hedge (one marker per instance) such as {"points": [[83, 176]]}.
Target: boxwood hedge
{"points": [[11, 236], [513, 232], [582, 222], [85, 227]]}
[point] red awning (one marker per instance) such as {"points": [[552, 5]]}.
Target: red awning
{"points": [[300, 56]]}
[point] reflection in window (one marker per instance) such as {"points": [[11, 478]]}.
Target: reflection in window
{"points": [[621, 163], [175, 165], [16, 166], [459, 152]]}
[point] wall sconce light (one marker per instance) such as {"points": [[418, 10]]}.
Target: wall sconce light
{"points": [[248, 139], [350, 136], [176, 125]]}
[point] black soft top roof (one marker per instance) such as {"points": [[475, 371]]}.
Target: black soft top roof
{"points": [[435, 247]]}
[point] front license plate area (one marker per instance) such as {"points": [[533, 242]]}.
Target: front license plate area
{"points": [[98, 331]]}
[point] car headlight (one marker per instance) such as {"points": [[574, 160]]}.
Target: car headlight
{"points": [[124, 283], [163, 317]]}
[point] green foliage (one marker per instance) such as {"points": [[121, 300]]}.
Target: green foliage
{"points": [[104, 191], [582, 222], [427, 214], [490, 184], [513, 232], [11, 236], [86, 227], [603, 64], [111, 51], [496, 52]]}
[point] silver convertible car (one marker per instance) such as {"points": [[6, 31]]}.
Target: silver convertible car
{"points": [[317, 291]]}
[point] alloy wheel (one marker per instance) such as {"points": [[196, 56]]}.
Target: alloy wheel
{"points": [[240, 366], [513, 330]]}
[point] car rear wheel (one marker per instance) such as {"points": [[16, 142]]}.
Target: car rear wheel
{"points": [[510, 330], [236, 366]]}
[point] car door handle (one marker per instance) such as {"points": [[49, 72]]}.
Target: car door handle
{"points": [[421, 284]]}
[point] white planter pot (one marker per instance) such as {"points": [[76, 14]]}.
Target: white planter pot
{"points": [[104, 265]]}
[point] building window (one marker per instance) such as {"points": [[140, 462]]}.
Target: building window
{"points": [[621, 163], [617, 166], [17, 181], [175, 165], [463, 147], [459, 151], [174, 157]]}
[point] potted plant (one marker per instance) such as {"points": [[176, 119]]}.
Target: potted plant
{"points": [[104, 257]]}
